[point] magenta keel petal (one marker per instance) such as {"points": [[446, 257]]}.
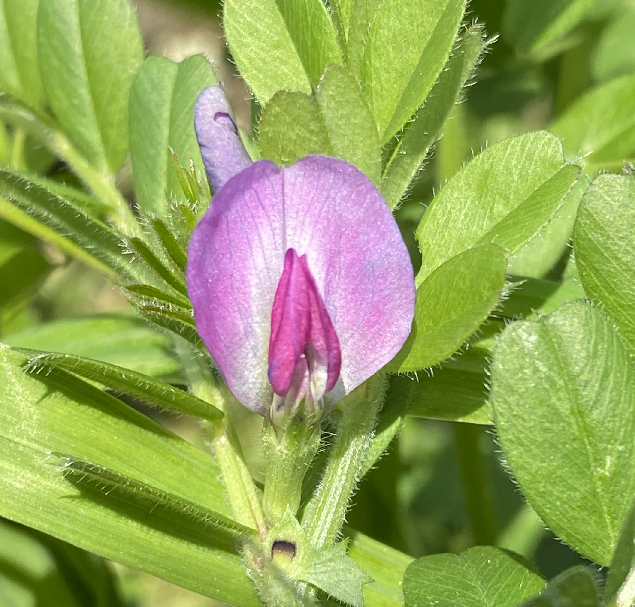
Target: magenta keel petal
{"points": [[221, 147], [302, 334], [300, 274]]}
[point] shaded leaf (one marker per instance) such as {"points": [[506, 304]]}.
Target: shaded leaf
{"points": [[620, 582], [533, 26], [615, 54], [576, 587], [600, 125], [604, 254]]}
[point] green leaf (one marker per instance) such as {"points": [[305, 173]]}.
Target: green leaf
{"points": [[332, 571], [280, 44], [174, 321], [362, 17], [291, 127], [85, 474], [483, 576], [162, 118], [600, 125], [343, 11], [36, 569], [383, 564], [89, 51], [335, 121], [147, 294], [452, 303], [505, 195], [349, 122], [531, 297], [614, 54], [19, 69], [127, 382], [58, 413], [171, 245], [603, 242], [93, 241], [575, 587], [22, 266], [563, 392], [532, 27], [427, 124], [620, 582], [170, 278], [457, 391], [544, 250], [411, 41], [119, 339]]}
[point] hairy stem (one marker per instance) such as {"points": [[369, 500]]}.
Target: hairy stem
{"points": [[324, 514]]}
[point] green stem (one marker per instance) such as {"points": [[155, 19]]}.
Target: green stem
{"points": [[102, 184], [289, 454], [241, 491], [476, 485], [324, 514], [523, 534], [452, 148], [17, 149]]}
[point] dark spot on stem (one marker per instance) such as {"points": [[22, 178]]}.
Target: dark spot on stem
{"points": [[282, 548]]}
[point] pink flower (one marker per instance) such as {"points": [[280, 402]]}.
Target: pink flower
{"points": [[301, 284]]}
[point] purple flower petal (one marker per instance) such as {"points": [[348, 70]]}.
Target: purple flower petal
{"points": [[302, 334], [221, 147], [320, 207]]}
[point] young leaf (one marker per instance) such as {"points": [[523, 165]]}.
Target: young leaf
{"points": [[291, 127], [127, 382], [20, 72], [280, 44], [425, 128], [505, 195], [603, 241], [124, 340], [89, 51], [600, 125], [563, 392], [162, 119], [59, 413], [483, 576], [455, 392], [383, 564], [336, 574], [362, 16], [452, 303], [533, 26], [575, 587], [620, 582], [411, 41], [335, 121], [176, 322], [153, 296], [170, 244], [99, 243], [349, 121], [158, 267]]}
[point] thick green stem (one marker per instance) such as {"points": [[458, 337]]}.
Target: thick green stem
{"points": [[476, 485], [324, 514], [289, 454]]}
